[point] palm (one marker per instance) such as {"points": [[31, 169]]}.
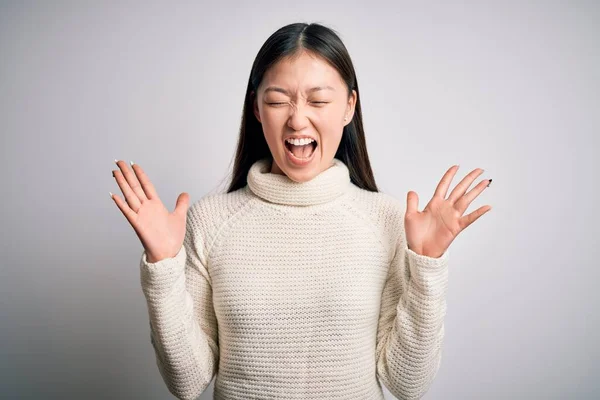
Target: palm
{"points": [[160, 231], [431, 231], [158, 228]]}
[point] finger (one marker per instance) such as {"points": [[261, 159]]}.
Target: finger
{"points": [[130, 196], [412, 202], [463, 185], [147, 186], [463, 203], [129, 214], [181, 206], [472, 217], [133, 181], [442, 187]]}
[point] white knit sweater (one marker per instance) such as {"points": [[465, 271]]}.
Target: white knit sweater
{"points": [[290, 290]]}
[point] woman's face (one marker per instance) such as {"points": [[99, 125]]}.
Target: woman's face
{"points": [[303, 98]]}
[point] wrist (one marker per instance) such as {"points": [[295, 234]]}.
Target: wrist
{"points": [[426, 252], [152, 259]]}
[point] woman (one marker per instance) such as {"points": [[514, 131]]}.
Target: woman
{"points": [[302, 281]]}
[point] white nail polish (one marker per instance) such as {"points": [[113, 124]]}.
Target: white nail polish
{"points": [[116, 160], [111, 195], [131, 162]]}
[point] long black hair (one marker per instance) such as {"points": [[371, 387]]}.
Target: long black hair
{"points": [[288, 41]]}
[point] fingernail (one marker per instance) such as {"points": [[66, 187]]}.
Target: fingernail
{"points": [[111, 195], [116, 161], [489, 183], [131, 162]]}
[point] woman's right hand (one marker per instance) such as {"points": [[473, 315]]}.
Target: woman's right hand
{"points": [[160, 231]]}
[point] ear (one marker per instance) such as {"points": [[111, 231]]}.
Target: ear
{"points": [[255, 106], [351, 107]]}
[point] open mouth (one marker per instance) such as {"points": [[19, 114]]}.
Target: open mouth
{"points": [[303, 151]]}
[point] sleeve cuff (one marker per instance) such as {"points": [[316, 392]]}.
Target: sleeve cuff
{"points": [[160, 276], [426, 262], [429, 274]]}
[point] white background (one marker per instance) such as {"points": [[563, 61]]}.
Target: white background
{"points": [[511, 87]]}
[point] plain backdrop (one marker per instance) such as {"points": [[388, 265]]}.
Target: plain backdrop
{"points": [[510, 87]]}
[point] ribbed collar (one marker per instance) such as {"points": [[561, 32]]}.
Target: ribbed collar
{"points": [[280, 189]]}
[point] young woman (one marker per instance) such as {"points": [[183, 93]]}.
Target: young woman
{"points": [[302, 281]]}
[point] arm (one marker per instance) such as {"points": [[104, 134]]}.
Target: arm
{"points": [[183, 326], [411, 323]]}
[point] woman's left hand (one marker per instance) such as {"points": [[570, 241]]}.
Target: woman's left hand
{"points": [[430, 232]]}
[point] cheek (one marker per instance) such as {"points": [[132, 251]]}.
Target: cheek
{"points": [[330, 136], [273, 119], [272, 131], [269, 120], [271, 136], [330, 139]]}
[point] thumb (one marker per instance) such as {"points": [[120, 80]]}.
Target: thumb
{"points": [[412, 202], [182, 204]]}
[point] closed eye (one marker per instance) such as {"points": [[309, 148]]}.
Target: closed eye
{"points": [[315, 102]]}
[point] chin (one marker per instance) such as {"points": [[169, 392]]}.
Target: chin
{"points": [[300, 173]]}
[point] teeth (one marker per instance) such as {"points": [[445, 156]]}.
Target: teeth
{"points": [[300, 142]]}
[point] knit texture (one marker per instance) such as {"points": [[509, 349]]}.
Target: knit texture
{"points": [[288, 290]]}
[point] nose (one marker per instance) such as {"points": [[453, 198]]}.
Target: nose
{"points": [[297, 119]]}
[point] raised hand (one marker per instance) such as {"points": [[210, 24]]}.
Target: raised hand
{"points": [[430, 232], [160, 231]]}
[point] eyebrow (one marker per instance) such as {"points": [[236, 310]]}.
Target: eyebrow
{"points": [[282, 90]]}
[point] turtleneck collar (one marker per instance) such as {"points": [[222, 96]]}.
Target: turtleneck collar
{"points": [[280, 189]]}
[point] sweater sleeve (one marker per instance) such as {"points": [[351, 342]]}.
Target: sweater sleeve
{"points": [[411, 322], [183, 326]]}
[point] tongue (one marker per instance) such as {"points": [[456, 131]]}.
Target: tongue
{"points": [[302, 151]]}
